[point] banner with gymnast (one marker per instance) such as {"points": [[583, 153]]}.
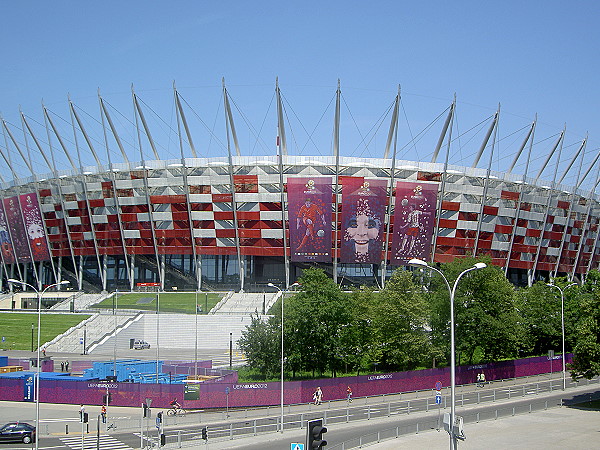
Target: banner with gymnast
{"points": [[309, 208], [414, 221]]}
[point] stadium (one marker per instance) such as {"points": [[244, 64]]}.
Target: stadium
{"points": [[236, 222]]}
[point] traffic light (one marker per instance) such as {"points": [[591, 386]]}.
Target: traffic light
{"points": [[159, 417], [163, 439], [146, 410], [205, 433], [314, 437], [106, 399], [85, 417]]}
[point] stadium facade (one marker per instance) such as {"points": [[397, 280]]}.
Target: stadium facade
{"points": [[240, 222]]}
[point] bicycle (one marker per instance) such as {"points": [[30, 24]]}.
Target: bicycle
{"points": [[175, 411]]}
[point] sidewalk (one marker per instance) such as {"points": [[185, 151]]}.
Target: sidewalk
{"points": [[557, 428]]}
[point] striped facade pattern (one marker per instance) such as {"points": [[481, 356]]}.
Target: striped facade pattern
{"points": [[189, 207]]}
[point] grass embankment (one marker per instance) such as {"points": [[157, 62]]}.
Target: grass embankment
{"points": [[15, 328], [176, 302]]}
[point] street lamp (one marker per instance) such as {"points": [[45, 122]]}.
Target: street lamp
{"points": [[562, 324], [37, 375], [420, 263], [282, 298]]}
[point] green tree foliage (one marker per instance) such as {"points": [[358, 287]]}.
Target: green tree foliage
{"points": [[484, 308], [401, 318], [539, 309], [314, 323], [260, 342], [586, 354]]}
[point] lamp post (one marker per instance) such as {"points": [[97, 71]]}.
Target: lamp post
{"points": [[420, 263], [37, 375], [562, 324], [31, 338], [282, 298]]}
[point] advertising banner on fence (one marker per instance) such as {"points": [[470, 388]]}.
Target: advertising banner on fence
{"points": [[34, 227], [17, 229], [309, 212], [414, 220], [363, 216], [8, 254]]}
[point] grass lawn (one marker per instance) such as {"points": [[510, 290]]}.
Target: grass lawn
{"points": [[15, 328], [177, 302]]}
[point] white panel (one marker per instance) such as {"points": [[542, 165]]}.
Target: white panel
{"points": [[271, 234], [203, 215], [131, 234]]}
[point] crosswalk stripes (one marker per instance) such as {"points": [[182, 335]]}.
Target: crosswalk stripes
{"points": [[90, 443]]}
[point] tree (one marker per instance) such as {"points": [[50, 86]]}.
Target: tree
{"points": [[400, 317], [484, 311], [260, 343], [539, 310], [314, 320], [586, 354]]}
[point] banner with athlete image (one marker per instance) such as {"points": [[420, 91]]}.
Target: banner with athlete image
{"points": [[309, 213], [34, 226], [8, 254], [414, 220], [363, 216], [17, 229]]}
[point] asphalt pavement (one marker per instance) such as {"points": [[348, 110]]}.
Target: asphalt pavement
{"points": [[557, 428]]}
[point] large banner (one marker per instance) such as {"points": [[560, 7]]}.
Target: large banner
{"points": [[309, 212], [17, 229], [363, 216], [414, 219], [35, 227], [8, 254]]}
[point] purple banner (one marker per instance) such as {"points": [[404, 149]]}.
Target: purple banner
{"points": [[363, 216], [8, 254], [34, 226], [309, 209], [414, 219], [69, 390], [17, 229]]}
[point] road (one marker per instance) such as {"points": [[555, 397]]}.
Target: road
{"points": [[346, 422]]}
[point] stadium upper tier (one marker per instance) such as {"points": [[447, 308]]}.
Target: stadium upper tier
{"points": [[240, 222], [168, 208]]}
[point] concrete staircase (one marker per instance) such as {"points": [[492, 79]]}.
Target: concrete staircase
{"points": [[82, 302], [178, 331], [94, 328], [245, 303]]}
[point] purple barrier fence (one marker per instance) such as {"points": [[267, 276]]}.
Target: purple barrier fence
{"points": [[218, 392], [268, 394]]}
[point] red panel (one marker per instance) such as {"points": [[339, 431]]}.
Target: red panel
{"points": [[249, 233], [225, 233], [447, 223], [220, 198], [509, 195], [505, 229], [491, 210], [45, 192], [223, 215], [248, 215], [450, 206], [162, 199], [532, 233], [97, 203], [562, 204]]}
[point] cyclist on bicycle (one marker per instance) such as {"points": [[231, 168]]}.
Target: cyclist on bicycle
{"points": [[175, 404]]}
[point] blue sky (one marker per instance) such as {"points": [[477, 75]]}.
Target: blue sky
{"points": [[529, 57]]}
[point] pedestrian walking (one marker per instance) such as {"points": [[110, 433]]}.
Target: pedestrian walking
{"points": [[67, 365], [103, 413], [318, 396], [62, 366], [349, 394]]}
